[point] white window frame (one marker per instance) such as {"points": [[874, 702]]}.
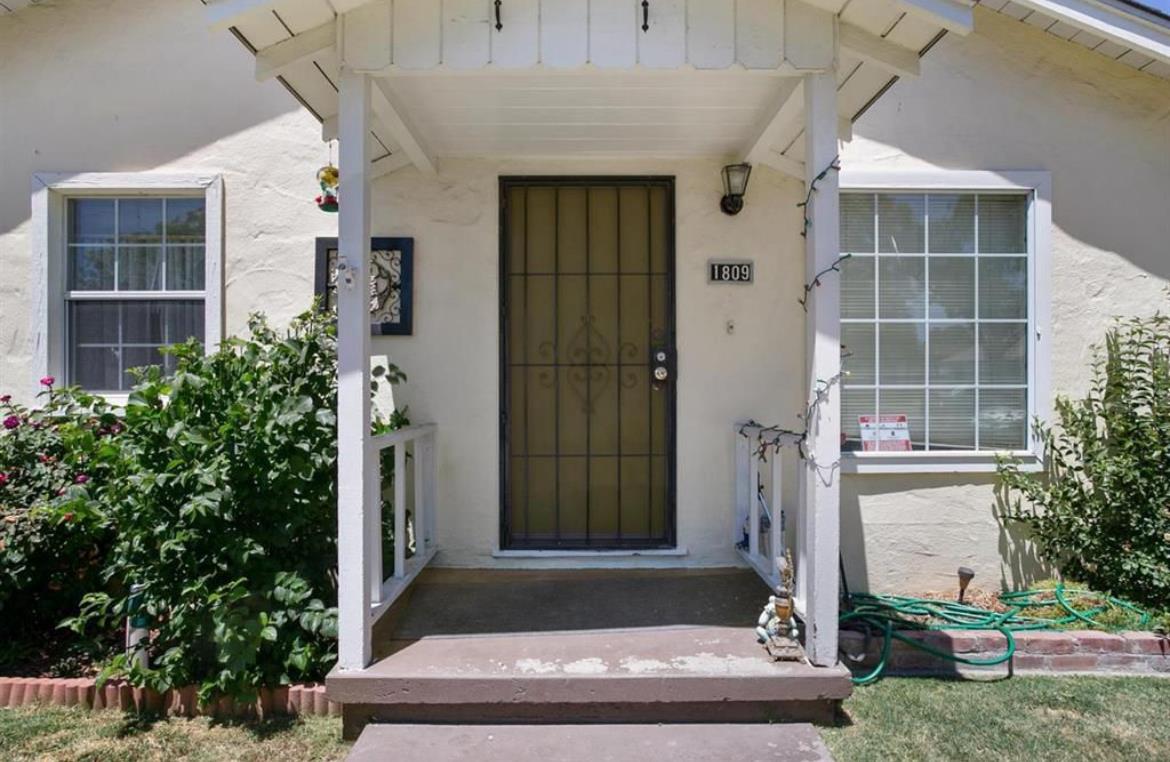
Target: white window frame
{"points": [[50, 193], [1038, 185]]}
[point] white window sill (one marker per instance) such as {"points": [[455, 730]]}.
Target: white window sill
{"points": [[931, 462]]}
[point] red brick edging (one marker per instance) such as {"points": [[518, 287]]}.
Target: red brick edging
{"points": [[307, 699], [1037, 652]]}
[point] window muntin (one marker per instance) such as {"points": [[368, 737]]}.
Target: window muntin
{"points": [[135, 282], [935, 317]]}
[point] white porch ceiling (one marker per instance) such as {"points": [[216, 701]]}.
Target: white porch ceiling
{"points": [[592, 114], [588, 110]]}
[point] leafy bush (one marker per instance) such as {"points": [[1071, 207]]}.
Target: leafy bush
{"points": [[224, 514], [1100, 511], [52, 538]]}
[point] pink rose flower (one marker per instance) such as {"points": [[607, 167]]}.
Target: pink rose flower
{"points": [[3, 479], [5, 399], [80, 479], [11, 422], [48, 381]]}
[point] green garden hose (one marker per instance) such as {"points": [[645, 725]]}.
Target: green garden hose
{"points": [[1039, 609]]}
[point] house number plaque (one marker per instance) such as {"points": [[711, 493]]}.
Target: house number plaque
{"points": [[730, 271]]}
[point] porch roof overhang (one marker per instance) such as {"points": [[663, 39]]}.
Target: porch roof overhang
{"points": [[563, 78]]}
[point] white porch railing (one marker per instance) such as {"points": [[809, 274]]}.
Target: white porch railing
{"points": [[414, 485], [761, 515]]}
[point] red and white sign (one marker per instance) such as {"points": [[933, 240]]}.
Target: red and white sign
{"points": [[886, 433]]}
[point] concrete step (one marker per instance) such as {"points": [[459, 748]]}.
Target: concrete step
{"points": [[595, 743], [641, 675]]}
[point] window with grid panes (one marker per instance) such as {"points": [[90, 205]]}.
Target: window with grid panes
{"points": [[135, 283], [934, 317]]}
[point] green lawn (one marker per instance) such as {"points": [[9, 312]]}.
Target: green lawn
{"points": [[1029, 718], [1024, 718]]}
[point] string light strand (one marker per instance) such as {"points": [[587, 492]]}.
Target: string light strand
{"points": [[806, 205], [816, 281]]}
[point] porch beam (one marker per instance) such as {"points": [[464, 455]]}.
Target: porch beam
{"points": [[275, 59], [357, 469], [819, 516], [782, 163], [389, 164], [783, 117], [391, 113], [955, 16], [878, 51], [224, 14]]}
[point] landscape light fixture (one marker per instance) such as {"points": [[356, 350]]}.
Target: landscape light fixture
{"points": [[735, 182], [965, 577]]}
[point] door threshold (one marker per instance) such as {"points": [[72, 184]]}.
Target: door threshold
{"points": [[621, 553]]}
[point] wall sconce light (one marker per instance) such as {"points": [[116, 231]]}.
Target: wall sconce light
{"points": [[735, 182]]}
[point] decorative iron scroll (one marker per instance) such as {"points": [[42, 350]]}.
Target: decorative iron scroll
{"points": [[391, 283]]}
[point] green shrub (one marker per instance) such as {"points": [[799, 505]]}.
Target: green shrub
{"points": [[52, 538], [1100, 510], [224, 514]]}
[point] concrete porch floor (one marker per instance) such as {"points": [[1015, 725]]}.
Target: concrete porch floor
{"points": [[482, 646]]}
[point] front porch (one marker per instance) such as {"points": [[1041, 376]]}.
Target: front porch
{"points": [[440, 102], [628, 646]]}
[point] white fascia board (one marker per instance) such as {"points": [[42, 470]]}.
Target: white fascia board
{"points": [[953, 15], [1110, 22], [880, 52], [274, 59]]}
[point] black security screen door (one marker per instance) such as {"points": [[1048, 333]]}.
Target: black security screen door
{"points": [[587, 362]]}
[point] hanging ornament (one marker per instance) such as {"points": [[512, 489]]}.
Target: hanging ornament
{"points": [[330, 181]]}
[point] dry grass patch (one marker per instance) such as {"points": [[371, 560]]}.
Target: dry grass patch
{"points": [[58, 734]]}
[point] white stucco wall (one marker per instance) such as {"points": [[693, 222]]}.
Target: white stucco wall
{"points": [[127, 85], [1011, 97], [142, 85], [753, 372]]}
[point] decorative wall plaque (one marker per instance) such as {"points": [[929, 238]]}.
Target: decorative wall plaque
{"points": [[391, 283]]}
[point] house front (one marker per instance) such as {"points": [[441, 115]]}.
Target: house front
{"points": [[618, 356]]}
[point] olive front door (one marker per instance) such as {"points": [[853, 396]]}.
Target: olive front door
{"points": [[587, 363]]}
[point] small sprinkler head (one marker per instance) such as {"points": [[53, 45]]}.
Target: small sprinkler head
{"points": [[965, 576]]}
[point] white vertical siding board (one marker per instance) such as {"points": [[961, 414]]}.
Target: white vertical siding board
{"points": [[613, 25], [664, 44], [517, 44], [365, 37], [564, 38], [466, 33], [711, 33], [759, 33], [809, 36], [417, 28]]}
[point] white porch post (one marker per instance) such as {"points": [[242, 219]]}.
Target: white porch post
{"points": [[357, 506], [820, 491]]}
